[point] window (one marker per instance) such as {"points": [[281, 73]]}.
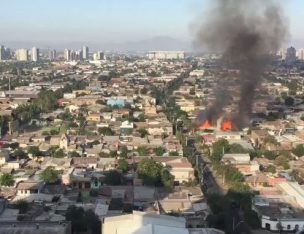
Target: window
{"points": [[267, 226], [296, 227]]}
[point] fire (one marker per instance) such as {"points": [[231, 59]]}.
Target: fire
{"points": [[226, 125], [205, 125]]}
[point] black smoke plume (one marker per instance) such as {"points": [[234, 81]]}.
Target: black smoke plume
{"points": [[245, 32]]}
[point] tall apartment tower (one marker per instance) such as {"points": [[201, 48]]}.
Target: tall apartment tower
{"points": [[301, 54], [2, 52], [35, 54], [52, 55], [291, 55], [67, 55], [85, 52], [22, 55], [99, 56]]}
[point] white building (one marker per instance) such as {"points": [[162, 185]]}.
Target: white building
{"points": [[150, 223], [52, 54], [35, 54], [166, 54], [22, 55], [67, 55], [85, 52], [98, 56], [282, 211], [301, 54]]}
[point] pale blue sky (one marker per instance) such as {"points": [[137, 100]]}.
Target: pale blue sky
{"points": [[113, 21]]}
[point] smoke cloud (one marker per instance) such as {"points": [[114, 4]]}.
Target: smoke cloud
{"points": [[245, 32]]}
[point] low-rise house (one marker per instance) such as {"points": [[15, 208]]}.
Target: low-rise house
{"points": [[93, 117], [4, 156], [85, 162], [27, 188], [242, 162]]}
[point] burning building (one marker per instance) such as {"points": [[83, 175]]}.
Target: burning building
{"points": [[245, 32]]}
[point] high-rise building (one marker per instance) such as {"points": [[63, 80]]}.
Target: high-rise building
{"points": [[281, 53], [67, 55], [22, 55], [7, 53], [166, 54], [35, 54], [301, 54], [85, 52], [52, 55], [291, 55], [2, 52], [98, 56]]}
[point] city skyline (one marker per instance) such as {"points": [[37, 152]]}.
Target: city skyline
{"points": [[116, 24]]}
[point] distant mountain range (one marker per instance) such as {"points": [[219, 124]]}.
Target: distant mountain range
{"points": [[155, 43]]}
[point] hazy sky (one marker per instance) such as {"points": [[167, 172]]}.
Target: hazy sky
{"points": [[113, 21]]}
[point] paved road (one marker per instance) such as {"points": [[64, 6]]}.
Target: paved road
{"points": [[209, 183]]}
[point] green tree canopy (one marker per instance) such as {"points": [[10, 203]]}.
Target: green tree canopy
{"points": [[59, 153], [289, 101], [83, 221], [218, 149], [106, 131], [34, 150], [113, 177], [19, 153], [159, 151], [123, 165], [124, 151], [143, 132], [142, 151], [154, 173], [299, 150], [6, 180], [49, 175]]}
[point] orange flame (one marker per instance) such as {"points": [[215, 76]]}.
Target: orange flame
{"points": [[226, 125], [205, 125]]}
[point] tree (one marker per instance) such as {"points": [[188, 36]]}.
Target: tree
{"points": [[6, 180], [34, 150], [218, 149], [282, 161], [49, 175], [45, 133], [166, 178], [74, 154], [237, 149], [123, 165], [142, 151], [113, 177], [269, 155], [54, 132], [299, 150], [77, 217], [19, 153], [23, 206], [106, 131], [159, 151], [289, 101], [141, 118], [270, 169], [124, 152], [150, 172], [173, 153], [59, 153], [143, 132]]}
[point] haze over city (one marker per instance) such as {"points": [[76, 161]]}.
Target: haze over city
{"points": [[118, 24], [151, 116]]}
